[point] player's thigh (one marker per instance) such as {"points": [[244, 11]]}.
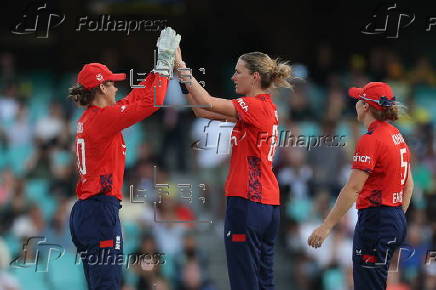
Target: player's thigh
{"points": [[97, 225]]}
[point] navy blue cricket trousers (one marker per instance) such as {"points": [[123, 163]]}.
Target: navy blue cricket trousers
{"points": [[250, 231], [96, 232], [379, 232]]}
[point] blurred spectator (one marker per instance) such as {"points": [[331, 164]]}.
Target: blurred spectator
{"points": [[8, 103], [423, 72], [16, 206], [191, 267], [175, 126], [51, 127], [300, 107], [39, 165], [7, 67], [148, 266], [211, 147], [57, 230], [29, 224], [7, 185], [20, 132], [328, 161]]}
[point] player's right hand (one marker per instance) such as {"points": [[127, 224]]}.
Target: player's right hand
{"points": [[318, 236]]}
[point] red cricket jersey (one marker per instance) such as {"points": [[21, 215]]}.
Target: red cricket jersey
{"points": [[254, 140], [382, 153], [100, 146]]}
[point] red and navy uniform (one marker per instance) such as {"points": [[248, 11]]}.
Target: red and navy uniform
{"points": [[252, 216], [100, 148], [381, 226]]}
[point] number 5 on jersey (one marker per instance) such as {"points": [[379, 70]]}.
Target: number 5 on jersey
{"points": [[404, 165]]}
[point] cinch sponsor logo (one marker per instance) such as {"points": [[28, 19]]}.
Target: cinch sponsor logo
{"points": [[361, 158], [243, 104], [398, 139]]}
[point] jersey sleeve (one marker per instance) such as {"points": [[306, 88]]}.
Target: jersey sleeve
{"points": [[366, 154], [138, 105], [250, 110]]}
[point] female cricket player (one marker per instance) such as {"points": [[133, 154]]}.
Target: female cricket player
{"points": [[252, 215], [382, 183], [100, 148]]}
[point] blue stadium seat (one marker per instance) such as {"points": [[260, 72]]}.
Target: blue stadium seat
{"points": [[66, 274], [343, 129], [333, 279], [132, 137], [13, 243], [425, 97], [29, 279], [3, 157], [48, 206], [37, 189], [38, 108], [131, 236], [308, 128], [17, 158]]}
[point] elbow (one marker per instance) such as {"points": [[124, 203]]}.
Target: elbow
{"points": [[355, 187], [409, 187]]}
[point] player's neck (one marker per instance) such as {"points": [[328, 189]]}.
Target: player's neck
{"points": [[256, 92], [368, 120], [101, 102]]}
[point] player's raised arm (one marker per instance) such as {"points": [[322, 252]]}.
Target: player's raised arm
{"points": [[203, 113], [143, 102]]}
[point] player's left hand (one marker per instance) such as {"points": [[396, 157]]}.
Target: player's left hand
{"points": [[167, 45], [318, 236]]}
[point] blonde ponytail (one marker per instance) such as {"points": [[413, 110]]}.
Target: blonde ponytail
{"points": [[273, 73]]}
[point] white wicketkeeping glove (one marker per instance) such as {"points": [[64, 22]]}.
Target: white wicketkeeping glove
{"points": [[166, 51]]}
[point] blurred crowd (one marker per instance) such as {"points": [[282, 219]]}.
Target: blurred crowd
{"points": [[176, 167]]}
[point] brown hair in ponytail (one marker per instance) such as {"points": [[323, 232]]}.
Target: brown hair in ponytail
{"points": [[82, 96]]}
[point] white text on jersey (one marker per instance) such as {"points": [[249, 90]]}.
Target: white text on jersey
{"points": [[361, 158], [243, 104], [398, 139]]}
